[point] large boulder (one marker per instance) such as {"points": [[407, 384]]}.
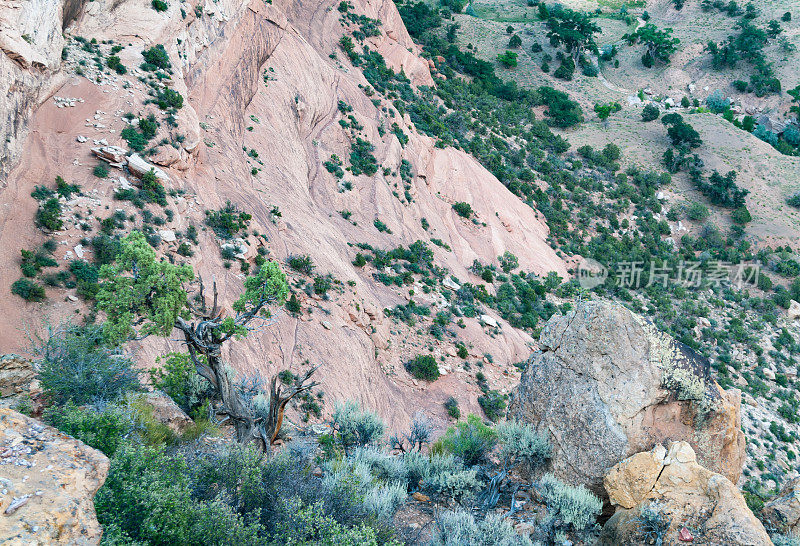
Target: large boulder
{"points": [[783, 512], [47, 483], [167, 412], [690, 503], [16, 374], [606, 384]]}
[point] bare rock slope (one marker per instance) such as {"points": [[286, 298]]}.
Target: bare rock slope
{"points": [[607, 384], [262, 77], [48, 481]]}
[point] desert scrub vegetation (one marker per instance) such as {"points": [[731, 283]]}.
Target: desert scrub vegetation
{"points": [[423, 367], [228, 221]]}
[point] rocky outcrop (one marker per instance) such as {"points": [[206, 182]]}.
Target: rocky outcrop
{"points": [[47, 483], [16, 374], [607, 384], [783, 512], [167, 412], [692, 503]]}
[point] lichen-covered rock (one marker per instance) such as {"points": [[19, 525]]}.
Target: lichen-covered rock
{"points": [[16, 374], [607, 384], [783, 512], [48, 481], [690, 500]]}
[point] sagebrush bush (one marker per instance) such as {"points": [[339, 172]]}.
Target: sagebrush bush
{"points": [[576, 507], [441, 474], [521, 444], [356, 427], [383, 465], [76, 364], [457, 528]]}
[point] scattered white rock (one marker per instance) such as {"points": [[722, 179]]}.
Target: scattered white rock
{"points": [[489, 321], [450, 283], [79, 251], [167, 235]]}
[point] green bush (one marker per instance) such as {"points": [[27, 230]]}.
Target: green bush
{"points": [[228, 221], [451, 405], [28, 290], [48, 216], [423, 367], [101, 170], [301, 264], [159, 5], [441, 474], [697, 211], [156, 57], [76, 364], [650, 112], [136, 141], [101, 428], [179, 379], [463, 209], [147, 499], [470, 440], [508, 59], [493, 404]]}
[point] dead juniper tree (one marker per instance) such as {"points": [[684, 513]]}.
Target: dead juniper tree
{"points": [[143, 296]]}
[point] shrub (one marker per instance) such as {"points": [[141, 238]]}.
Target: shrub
{"points": [[48, 216], [169, 98], [423, 367], [301, 264], [451, 405], [103, 428], [136, 141], [521, 444], [717, 102], [179, 379], [576, 507], [156, 57], [741, 216], [463, 209], [652, 524], [378, 499], [28, 290], [493, 404], [147, 499], [697, 212], [355, 427], [470, 440], [76, 364], [228, 221], [508, 59], [159, 5], [441, 474], [794, 200], [101, 170], [515, 41], [650, 112], [454, 528]]}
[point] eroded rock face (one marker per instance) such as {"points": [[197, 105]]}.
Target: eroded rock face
{"points": [[16, 374], [48, 481], [696, 502], [607, 384]]}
